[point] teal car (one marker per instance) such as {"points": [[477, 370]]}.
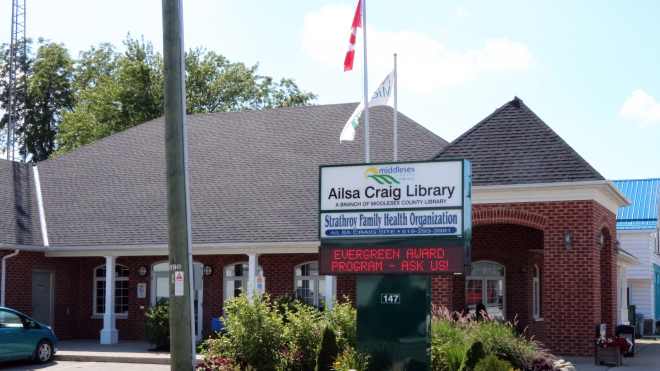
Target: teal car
{"points": [[21, 337]]}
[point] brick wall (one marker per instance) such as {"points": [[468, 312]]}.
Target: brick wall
{"points": [[578, 286]]}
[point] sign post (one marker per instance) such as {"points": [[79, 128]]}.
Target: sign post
{"points": [[393, 225]]}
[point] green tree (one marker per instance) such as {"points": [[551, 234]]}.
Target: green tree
{"points": [[117, 91], [49, 94], [24, 61]]}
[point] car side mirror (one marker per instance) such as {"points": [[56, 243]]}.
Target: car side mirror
{"points": [[32, 325]]}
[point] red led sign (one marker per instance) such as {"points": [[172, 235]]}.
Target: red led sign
{"points": [[358, 260]]}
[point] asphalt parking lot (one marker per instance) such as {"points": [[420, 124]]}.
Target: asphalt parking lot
{"points": [[92, 366]]}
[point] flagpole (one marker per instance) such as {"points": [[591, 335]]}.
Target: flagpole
{"points": [[395, 114], [366, 84]]}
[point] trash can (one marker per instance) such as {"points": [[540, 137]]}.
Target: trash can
{"points": [[217, 325], [639, 324], [626, 331]]}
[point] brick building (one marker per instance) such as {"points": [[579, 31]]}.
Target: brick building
{"points": [[539, 211]]}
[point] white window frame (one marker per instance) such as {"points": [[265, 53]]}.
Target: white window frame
{"points": [[96, 314], [536, 293], [484, 292], [245, 279], [317, 279]]}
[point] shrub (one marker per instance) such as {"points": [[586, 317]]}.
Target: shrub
{"points": [[288, 303], [350, 359], [475, 354], [447, 357], [214, 363], [254, 337], [539, 364], [342, 318], [498, 337], [328, 350], [303, 334], [492, 363], [157, 324]]}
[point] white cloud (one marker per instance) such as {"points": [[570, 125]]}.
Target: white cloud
{"points": [[424, 64], [461, 12], [641, 107]]}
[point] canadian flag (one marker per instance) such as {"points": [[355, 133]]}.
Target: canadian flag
{"points": [[350, 54]]}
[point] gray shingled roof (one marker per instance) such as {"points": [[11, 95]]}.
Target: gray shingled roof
{"points": [[19, 222], [253, 176], [514, 146]]}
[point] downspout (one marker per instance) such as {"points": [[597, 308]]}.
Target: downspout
{"points": [[4, 272]]}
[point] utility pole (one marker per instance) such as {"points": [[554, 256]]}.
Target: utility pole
{"points": [[178, 199]]}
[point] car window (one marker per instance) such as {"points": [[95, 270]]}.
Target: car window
{"points": [[10, 320]]}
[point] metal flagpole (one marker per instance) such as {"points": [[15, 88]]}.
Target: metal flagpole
{"points": [[366, 84], [395, 114]]}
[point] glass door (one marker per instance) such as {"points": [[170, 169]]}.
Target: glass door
{"points": [[160, 289]]}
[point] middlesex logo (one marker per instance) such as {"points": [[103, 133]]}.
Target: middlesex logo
{"points": [[382, 175]]}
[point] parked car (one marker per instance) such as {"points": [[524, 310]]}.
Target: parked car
{"points": [[21, 337]]}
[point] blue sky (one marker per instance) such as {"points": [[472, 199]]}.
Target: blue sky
{"points": [[589, 69]]}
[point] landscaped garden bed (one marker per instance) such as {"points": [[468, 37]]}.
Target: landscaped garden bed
{"points": [[288, 335]]}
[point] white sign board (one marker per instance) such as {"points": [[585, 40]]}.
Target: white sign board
{"points": [[392, 186], [260, 285], [142, 290], [178, 283], [392, 223]]}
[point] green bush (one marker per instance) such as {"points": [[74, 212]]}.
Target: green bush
{"points": [[328, 350], [475, 354], [492, 363], [288, 303], [342, 318], [453, 333], [303, 335], [350, 359], [254, 334], [157, 324]]}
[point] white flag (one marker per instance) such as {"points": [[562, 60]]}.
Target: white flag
{"points": [[381, 95]]}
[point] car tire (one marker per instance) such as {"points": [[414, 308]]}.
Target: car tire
{"points": [[44, 352]]}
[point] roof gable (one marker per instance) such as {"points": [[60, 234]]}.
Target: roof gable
{"points": [[643, 212], [514, 146]]}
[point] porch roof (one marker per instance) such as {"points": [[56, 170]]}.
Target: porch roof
{"points": [[643, 213]]}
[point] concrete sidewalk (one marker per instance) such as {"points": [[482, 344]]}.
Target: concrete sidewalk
{"points": [[647, 358], [123, 352]]}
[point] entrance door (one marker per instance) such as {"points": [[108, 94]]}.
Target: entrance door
{"points": [[484, 288], [42, 297], [160, 289]]}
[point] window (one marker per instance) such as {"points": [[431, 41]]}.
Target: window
{"points": [[484, 289], [629, 292], [536, 292], [121, 290], [10, 320], [236, 279], [309, 286]]}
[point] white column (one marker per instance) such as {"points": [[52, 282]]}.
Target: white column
{"points": [[623, 274], [109, 334], [330, 288], [252, 267]]}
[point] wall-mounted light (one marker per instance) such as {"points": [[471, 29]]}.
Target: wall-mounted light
{"points": [[617, 247], [142, 271], [208, 270], [601, 241], [567, 240]]}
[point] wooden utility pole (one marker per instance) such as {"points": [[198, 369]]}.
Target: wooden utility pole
{"points": [[178, 200]]}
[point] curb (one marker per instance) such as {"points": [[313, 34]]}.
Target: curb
{"points": [[114, 359]]}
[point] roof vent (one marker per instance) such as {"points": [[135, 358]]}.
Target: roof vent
{"points": [[515, 101]]}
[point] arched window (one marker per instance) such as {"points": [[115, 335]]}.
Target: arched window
{"points": [[536, 292], [484, 289], [237, 279], [121, 290], [308, 285]]}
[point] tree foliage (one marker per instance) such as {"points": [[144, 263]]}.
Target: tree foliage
{"points": [[73, 102]]}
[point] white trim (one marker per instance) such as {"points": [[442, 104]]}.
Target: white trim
{"points": [[626, 231], [626, 258], [536, 293], [6, 246], [602, 191], [198, 249], [40, 203]]}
